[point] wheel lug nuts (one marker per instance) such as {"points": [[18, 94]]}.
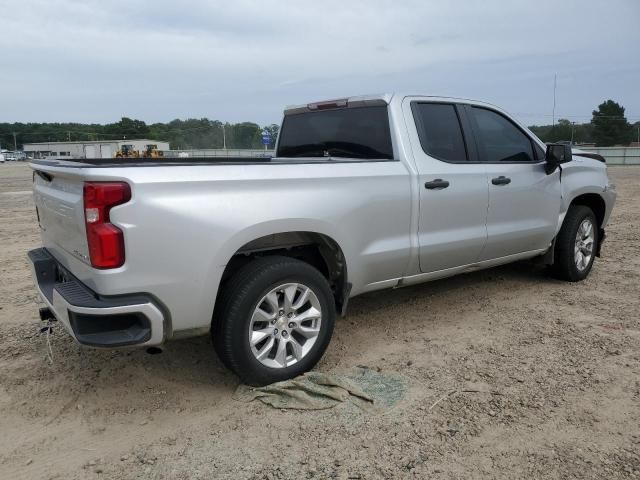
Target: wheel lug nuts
{"points": [[275, 331], [281, 313], [291, 324], [290, 314], [284, 333]]}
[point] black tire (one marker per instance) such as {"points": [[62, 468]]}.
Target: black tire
{"points": [[564, 264], [235, 307]]}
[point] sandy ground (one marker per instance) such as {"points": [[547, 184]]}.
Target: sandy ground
{"points": [[535, 379]]}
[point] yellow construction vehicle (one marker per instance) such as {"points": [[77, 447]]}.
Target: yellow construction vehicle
{"points": [[127, 151], [153, 152]]}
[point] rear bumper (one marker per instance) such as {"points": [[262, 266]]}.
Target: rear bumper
{"points": [[92, 319]]}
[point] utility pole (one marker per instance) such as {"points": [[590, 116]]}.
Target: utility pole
{"points": [[573, 127], [224, 138], [555, 78], [15, 143]]}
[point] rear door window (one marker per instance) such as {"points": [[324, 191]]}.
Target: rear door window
{"points": [[357, 132], [500, 139], [439, 131]]}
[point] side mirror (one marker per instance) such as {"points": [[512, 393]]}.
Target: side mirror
{"points": [[557, 153]]}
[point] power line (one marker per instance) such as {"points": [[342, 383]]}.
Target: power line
{"points": [[522, 114]]}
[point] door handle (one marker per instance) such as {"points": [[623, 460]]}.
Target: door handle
{"points": [[501, 180], [437, 184]]}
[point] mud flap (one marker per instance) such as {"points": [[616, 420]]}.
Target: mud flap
{"points": [[344, 299], [549, 256]]}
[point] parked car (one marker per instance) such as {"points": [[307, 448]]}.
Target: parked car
{"points": [[1, 157], [14, 156], [363, 194]]}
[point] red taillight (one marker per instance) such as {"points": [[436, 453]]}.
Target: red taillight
{"points": [[105, 240]]}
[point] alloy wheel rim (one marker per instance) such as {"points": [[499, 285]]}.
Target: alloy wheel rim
{"points": [[285, 325], [583, 249]]}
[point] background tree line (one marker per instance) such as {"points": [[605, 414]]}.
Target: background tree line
{"points": [[181, 134], [608, 127]]}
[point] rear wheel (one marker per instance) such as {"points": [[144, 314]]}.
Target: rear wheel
{"points": [[274, 320], [576, 244]]}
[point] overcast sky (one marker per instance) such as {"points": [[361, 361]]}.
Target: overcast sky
{"points": [[237, 60]]}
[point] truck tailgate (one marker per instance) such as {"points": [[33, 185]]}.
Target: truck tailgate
{"points": [[59, 205]]}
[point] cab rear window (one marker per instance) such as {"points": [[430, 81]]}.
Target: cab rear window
{"points": [[439, 131], [357, 132]]}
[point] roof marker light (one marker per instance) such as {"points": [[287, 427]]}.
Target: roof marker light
{"points": [[340, 103]]}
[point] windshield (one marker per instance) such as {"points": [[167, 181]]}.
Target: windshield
{"points": [[359, 132]]}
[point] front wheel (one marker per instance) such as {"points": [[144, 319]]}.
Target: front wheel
{"points": [[576, 244], [274, 320]]}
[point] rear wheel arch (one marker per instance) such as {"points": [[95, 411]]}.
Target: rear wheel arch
{"points": [[317, 249]]}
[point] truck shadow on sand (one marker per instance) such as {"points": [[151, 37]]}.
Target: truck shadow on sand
{"points": [[523, 275]]}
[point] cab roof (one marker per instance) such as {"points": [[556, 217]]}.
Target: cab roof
{"points": [[373, 99]]}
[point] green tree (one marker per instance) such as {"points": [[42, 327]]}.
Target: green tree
{"points": [[201, 133], [582, 132], [610, 126], [561, 132], [127, 127], [244, 135]]}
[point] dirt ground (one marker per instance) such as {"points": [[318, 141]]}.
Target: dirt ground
{"points": [[530, 377]]}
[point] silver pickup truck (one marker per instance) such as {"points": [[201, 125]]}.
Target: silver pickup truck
{"points": [[363, 193]]}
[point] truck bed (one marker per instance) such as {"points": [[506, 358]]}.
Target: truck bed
{"points": [[196, 161], [150, 162]]}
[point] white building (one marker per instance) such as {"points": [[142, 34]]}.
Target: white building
{"points": [[89, 149]]}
